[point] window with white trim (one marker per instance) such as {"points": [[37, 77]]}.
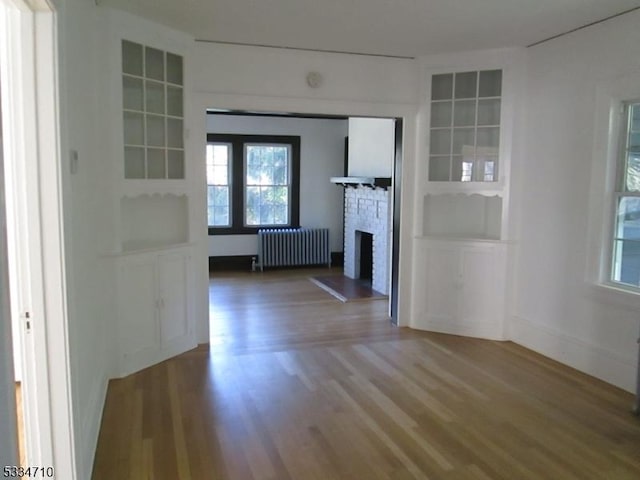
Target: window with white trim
{"points": [[625, 264]]}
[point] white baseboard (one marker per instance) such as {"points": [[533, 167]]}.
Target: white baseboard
{"points": [[90, 429], [602, 363], [487, 331]]}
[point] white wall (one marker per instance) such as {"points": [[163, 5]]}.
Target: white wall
{"points": [[273, 72], [88, 216], [371, 147], [321, 157], [557, 310]]}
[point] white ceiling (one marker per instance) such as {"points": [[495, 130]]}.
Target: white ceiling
{"points": [[388, 27]]}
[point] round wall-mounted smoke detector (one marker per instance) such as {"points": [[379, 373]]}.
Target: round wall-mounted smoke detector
{"points": [[314, 79]]}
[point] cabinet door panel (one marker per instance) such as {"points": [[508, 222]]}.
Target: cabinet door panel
{"points": [[478, 303], [138, 328], [174, 318], [442, 284]]}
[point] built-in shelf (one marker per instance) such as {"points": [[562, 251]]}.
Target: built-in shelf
{"points": [[372, 182], [463, 216], [153, 221]]}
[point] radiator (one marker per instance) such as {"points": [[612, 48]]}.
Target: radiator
{"points": [[293, 246]]}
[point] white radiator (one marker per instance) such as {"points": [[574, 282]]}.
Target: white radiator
{"points": [[293, 246]]}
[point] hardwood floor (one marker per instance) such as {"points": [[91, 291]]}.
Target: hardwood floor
{"points": [[347, 289], [298, 385], [20, 427]]}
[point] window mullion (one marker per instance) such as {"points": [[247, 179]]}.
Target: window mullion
{"points": [[237, 184]]}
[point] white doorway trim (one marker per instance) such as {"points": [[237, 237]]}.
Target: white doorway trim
{"points": [[200, 101], [30, 86]]}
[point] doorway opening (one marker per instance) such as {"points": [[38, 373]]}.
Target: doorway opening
{"points": [[239, 252]]}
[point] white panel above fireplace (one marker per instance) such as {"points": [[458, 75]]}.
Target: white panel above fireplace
{"points": [[371, 147]]}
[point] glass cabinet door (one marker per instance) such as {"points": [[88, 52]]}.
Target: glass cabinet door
{"points": [[153, 106], [464, 134]]}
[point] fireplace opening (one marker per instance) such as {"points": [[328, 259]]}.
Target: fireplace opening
{"points": [[365, 243]]}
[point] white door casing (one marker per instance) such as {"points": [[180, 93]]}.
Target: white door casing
{"points": [[30, 83]]}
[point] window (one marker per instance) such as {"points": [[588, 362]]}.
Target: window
{"points": [[253, 181], [465, 126], [626, 237], [267, 186], [218, 181]]}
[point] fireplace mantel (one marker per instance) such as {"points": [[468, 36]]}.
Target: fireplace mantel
{"points": [[372, 182]]}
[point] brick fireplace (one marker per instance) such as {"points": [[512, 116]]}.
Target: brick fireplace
{"points": [[366, 211]]}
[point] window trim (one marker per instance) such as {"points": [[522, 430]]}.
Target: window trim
{"points": [[237, 186], [620, 191], [610, 96]]}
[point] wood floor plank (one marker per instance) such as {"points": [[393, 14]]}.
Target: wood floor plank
{"points": [[298, 385], [22, 448]]}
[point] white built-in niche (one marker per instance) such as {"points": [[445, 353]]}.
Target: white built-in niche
{"points": [[463, 216], [153, 221]]}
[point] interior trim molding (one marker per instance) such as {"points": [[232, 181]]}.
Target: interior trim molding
{"points": [[318, 50], [90, 429], [596, 22], [292, 115]]}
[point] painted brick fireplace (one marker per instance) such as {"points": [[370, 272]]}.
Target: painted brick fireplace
{"points": [[367, 210]]}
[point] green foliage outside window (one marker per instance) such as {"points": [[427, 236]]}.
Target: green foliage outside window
{"points": [[267, 185]]}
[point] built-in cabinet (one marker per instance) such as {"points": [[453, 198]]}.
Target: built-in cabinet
{"points": [[154, 246], [462, 250], [464, 287], [154, 317]]}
